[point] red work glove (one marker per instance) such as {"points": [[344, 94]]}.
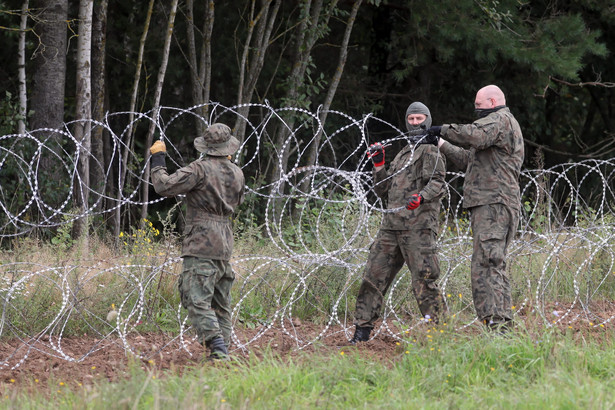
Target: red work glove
{"points": [[415, 201], [376, 153]]}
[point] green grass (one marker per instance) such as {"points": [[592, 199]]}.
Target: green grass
{"points": [[448, 370]]}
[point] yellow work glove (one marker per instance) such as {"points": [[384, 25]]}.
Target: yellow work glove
{"points": [[158, 146]]}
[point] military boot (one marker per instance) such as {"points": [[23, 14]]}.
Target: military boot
{"points": [[217, 348], [361, 334]]}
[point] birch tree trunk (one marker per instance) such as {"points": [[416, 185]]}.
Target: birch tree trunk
{"points": [[117, 225], [253, 57], [49, 76], [156, 109], [82, 132], [21, 66]]}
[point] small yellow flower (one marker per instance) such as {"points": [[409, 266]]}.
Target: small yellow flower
{"points": [[492, 369], [432, 349], [223, 400], [601, 325], [61, 383], [12, 380], [397, 343], [407, 351], [35, 380], [460, 296], [510, 365], [448, 295], [342, 353], [121, 234], [514, 307], [591, 324], [93, 367]]}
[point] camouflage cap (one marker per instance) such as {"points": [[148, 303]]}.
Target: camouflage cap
{"points": [[217, 141]]}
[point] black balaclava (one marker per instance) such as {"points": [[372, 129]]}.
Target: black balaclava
{"points": [[418, 108], [483, 112]]}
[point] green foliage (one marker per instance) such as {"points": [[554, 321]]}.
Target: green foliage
{"points": [[9, 114], [63, 238]]}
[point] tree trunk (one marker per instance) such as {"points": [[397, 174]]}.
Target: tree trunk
{"points": [[313, 150], [156, 109], [83, 125], [117, 225], [49, 76], [306, 36], [200, 74], [98, 179], [21, 65], [253, 58]]}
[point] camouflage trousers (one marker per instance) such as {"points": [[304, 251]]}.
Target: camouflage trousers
{"points": [[386, 258], [205, 290], [493, 228]]}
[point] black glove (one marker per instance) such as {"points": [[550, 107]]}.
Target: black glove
{"points": [[376, 153], [415, 201], [432, 136], [158, 160]]}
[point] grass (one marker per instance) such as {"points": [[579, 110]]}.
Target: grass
{"points": [[551, 369], [536, 367]]}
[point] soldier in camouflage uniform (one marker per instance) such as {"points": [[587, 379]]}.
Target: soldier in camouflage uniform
{"points": [[491, 151], [214, 187], [408, 235]]}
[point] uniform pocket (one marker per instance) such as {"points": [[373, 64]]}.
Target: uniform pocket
{"points": [[492, 247]]}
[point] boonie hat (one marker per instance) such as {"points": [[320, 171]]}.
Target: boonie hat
{"points": [[217, 141]]}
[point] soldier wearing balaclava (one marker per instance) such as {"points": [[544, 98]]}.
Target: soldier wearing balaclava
{"points": [[408, 234]]}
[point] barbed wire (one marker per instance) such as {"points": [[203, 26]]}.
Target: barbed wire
{"points": [[320, 219]]}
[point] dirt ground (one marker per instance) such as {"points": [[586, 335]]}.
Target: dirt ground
{"points": [[88, 359], [91, 359]]}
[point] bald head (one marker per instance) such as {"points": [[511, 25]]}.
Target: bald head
{"points": [[489, 96]]}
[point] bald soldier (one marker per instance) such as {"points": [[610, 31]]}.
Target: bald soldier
{"points": [[491, 151]]}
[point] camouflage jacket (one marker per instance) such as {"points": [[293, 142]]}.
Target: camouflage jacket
{"points": [[491, 151], [421, 171], [214, 187]]}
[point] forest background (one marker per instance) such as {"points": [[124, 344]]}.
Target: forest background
{"points": [[69, 60]]}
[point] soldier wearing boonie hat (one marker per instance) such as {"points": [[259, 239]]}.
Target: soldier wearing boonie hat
{"points": [[217, 141], [214, 188]]}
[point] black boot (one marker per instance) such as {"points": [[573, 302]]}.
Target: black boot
{"points": [[361, 334], [502, 327], [217, 348]]}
